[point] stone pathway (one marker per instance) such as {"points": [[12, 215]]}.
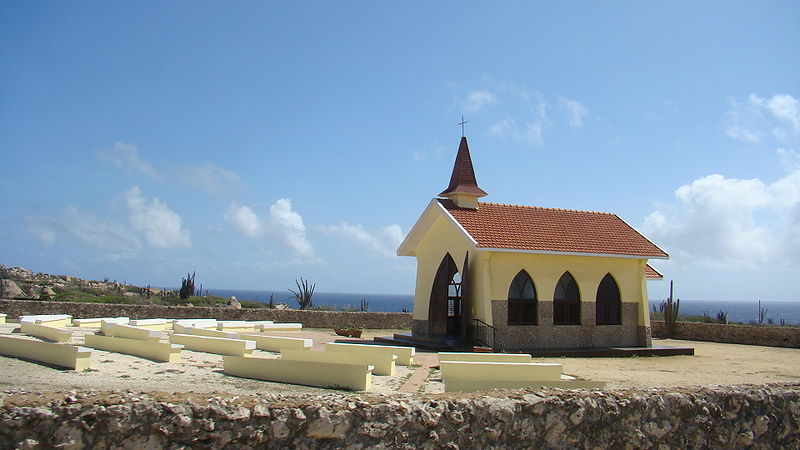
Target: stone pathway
{"points": [[420, 375]]}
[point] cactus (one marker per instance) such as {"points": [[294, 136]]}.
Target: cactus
{"points": [[272, 301], [304, 293], [187, 286], [364, 305], [670, 310]]}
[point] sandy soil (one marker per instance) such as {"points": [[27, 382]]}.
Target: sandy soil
{"points": [[713, 364]]}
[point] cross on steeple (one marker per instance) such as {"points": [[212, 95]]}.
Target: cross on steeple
{"points": [[462, 125]]}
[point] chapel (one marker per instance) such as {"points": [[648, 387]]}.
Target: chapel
{"points": [[514, 277]]}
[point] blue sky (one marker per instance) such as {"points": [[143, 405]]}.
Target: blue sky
{"points": [[258, 142]]}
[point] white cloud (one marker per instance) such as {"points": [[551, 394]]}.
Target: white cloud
{"points": [[383, 241], [783, 107], [281, 222], [531, 132], [245, 220], [749, 121], [208, 176], [574, 109], [162, 227], [477, 100], [789, 158], [85, 227], [127, 157], [728, 221], [290, 225]]}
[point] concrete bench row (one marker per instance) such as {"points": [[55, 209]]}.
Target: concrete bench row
{"points": [[51, 320], [61, 355], [46, 332], [467, 372], [341, 366], [134, 340]]}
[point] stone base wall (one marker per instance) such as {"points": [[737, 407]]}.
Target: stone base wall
{"points": [[772, 336], [309, 318], [545, 335], [719, 417], [419, 327]]}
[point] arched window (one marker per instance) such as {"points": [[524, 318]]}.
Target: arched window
{"points": [[608, 302], [522, 300], [567, 301]]}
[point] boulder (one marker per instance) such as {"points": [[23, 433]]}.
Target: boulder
{"points": [[234, 303], [9, 289], [47, 293]]}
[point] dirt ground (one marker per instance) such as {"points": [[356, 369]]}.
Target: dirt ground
{"points": [[712, 364]]}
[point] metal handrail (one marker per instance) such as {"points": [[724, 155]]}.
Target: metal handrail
{"points": [[483, 333]]}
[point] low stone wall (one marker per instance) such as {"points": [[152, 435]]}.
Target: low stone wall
{"points": [[310, 319], [718, 417], [733, 334]]}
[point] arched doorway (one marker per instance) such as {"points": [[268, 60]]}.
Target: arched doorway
{"points": [[444, 310]]}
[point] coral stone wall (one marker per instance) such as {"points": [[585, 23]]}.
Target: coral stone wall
{"points": [[310, 318], [719, 417], [734, 334]]}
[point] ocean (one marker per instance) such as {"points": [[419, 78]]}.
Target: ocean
{"points": [[738, 311], [335, 300]]}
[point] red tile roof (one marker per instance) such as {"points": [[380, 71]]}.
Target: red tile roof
{"points": [[463, 181], [495, 225], [652, 274]]}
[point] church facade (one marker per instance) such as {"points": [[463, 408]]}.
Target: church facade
{"points": [[520, 277]]}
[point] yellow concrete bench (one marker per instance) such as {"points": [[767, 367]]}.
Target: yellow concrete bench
{"points": [[155, 350], [196, 323], [51, 320], [130, 332], [320, 374], [46, 332], [383, 364], [280, 327], [206, 332], [61, 355], [464, 385], [405, 355], [3, 318], [219, 346], [278, 343], [153, 324], [474, 370], [485, 357], [235, 325], [96, 321]]}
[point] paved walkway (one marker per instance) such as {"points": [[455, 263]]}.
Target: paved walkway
{"points": [[420, 376]]}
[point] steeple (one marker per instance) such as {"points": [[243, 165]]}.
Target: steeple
{"points": [[463, 189]]}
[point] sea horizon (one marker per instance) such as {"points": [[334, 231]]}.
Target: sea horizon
{"points": [[745, 311]]}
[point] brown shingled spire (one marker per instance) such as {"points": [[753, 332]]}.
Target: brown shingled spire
{"points": [[463, 188]]}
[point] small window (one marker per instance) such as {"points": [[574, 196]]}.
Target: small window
{"points": [[522, 302], [608, 302], [567, 301]]}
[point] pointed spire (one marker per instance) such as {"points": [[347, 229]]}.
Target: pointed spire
{"points": [[463, 188]]}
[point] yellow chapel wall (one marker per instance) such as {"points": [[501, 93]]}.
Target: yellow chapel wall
{"points": [[442, 238], [588, 271]]}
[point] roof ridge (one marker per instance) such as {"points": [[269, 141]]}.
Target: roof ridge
{"points": [[547, 208]]}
